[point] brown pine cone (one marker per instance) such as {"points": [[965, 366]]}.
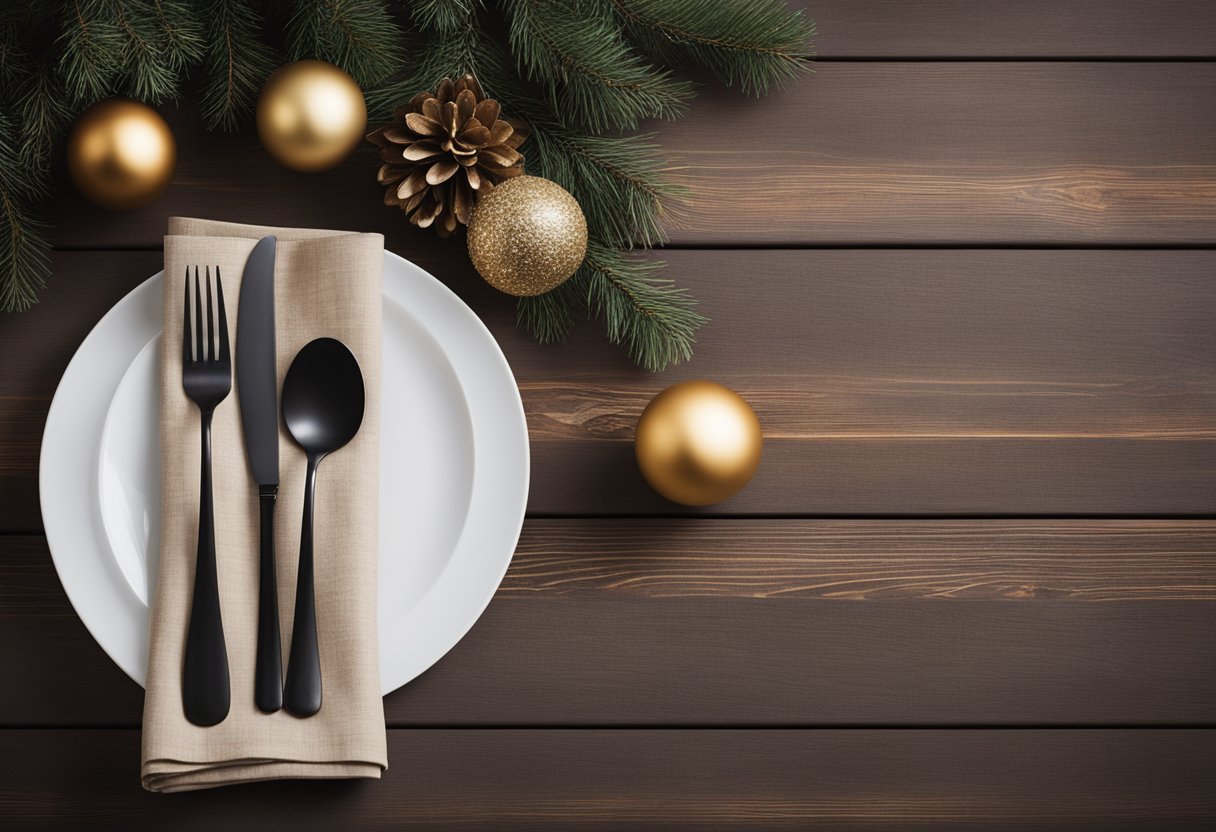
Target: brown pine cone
{"points": [[444, 148]]}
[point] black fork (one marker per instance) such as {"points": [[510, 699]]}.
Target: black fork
{"points": [[207, 378]]}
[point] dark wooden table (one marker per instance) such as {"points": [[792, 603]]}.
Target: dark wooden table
{"points": [[966, 274]]}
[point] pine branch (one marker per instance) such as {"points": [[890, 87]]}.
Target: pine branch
{"points": [[24, 250], [14, 58], [152, 70], [185, 40], [44, 115], [236, 64], [654, 320], [592, 78], [447, 54], [358, 35], [757, 44], [550, 317], [618, 181], [445, 16], [91, 49]]}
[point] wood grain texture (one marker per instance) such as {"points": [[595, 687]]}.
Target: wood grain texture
{"points": [[1028, 28], [887, 382], [861, 153], [761, 622], [869, 560], [645, 779], [959, 153]]}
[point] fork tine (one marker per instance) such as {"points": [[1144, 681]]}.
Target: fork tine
{"points": [[187, 344], [219, 294], [210, 321], [199, 343]]}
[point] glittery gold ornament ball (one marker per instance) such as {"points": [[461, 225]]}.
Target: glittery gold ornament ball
{"points": [[121, 154], [311, 115], [698, 443], [527, 236]]}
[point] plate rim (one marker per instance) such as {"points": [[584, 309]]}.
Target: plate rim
{"points": [[490, 363]]}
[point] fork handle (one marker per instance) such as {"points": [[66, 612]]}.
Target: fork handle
{"points": [[205, 686], [268, 686], [302, 693]]}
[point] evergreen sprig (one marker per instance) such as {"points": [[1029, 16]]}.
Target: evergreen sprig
{"points": [[91, 49], [236, 65], [579, 72], [655, 320], [359, 36], [757, 44], [443, 15], [592, 78], [24, 250]]}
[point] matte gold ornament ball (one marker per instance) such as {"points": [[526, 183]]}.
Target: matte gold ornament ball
{"points": [[121, 154], [311, 115], [527, 236], [698, 443]]}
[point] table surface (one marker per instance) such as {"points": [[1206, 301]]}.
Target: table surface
{"points": [[966, 274]]}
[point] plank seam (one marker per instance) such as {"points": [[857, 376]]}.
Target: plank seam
{"points": [[643, 726]]}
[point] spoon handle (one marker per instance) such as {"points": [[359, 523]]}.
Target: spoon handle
{"points": [[302, 693], [205, 693]]}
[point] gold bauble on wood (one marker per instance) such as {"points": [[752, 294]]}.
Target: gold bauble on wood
{"points": [[121, 154], [698, 443], [311, 115], [527, 236]]}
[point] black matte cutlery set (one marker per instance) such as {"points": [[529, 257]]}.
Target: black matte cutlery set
{"points": [[322, 406]]}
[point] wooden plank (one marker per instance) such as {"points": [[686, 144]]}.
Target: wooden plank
{"points": [[957, 153], [888, 382], [654, 779], [1029, 28], [862, 153], [700, 622], [1025, 560]]}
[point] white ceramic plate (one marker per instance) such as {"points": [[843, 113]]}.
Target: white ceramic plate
{"points": [[453, 473]]}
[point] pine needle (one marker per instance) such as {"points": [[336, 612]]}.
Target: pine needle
{"points": [[445, 16], [184, 37], [550, 317], [43, 118], [152, 70], [593, 79], [757, 44], [91, 49], [655, 320], [25, 262], [358, 35], [236, 64]]}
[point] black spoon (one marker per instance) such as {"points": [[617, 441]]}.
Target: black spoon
{"points": [[323, 408]]}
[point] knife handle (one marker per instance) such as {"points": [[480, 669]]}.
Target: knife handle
{"points": [[268, 675]]}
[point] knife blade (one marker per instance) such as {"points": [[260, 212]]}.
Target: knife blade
{"points": [[256, 366], [257, 392]]}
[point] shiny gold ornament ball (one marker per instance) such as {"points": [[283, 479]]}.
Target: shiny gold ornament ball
{"points": [[698, 443], [527, 236], [121, 154], [311, 115]]}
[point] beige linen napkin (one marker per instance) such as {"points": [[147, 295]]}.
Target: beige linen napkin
{"points": [[327, 283]]}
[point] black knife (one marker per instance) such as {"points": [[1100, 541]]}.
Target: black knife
{"points": [[257, 389]]}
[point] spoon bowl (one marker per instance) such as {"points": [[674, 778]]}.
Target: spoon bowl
{"points": [[323, 399]]}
